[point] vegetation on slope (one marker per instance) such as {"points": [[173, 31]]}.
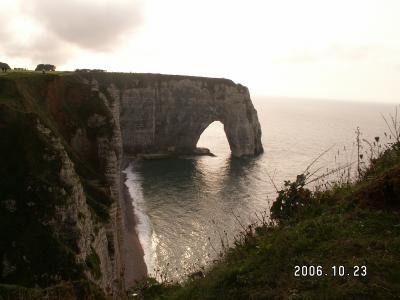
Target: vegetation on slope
{"points": [[67, 290], [33, 254], [356, 226]]}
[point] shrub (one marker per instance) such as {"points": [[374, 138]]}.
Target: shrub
{"points": [[292, 198], [93, 263], [45, 67]]}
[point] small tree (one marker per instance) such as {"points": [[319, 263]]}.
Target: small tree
{"points": [[45, 67], [4, 67]]}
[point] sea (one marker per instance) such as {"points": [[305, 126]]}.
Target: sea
{"points": [[190, 210]]}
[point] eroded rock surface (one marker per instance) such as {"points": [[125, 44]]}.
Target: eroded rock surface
{"points": [[169, 113]]}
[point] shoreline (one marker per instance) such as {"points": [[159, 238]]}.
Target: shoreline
{"points": [[135, 268]]}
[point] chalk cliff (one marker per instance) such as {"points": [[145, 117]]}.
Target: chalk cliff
{"points": [[165, 113], [64, 139]]}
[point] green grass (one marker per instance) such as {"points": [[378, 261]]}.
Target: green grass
{"points": [[330, 229], [72, 290], [31, 73]]}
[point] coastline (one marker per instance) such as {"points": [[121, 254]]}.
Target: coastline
{"points": [[133, 253]]}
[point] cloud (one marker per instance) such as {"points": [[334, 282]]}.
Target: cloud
{"points": [[94, 25], [48, 31], [36, 47], [47, 49]]}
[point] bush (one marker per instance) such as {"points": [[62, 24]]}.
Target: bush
{"points": [[4, 67], [292, 198], [93, 263], [45, 67]]}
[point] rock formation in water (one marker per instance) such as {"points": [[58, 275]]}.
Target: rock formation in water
{"points": [[63, 214], [161, 113]]}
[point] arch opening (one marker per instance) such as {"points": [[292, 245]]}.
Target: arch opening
{"points": [[214, 138]]}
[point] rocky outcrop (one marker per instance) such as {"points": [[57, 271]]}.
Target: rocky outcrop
{"points": [[75, 219], [161, 113]]}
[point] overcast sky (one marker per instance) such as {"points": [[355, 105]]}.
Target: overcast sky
{"points": [[335, 49]]}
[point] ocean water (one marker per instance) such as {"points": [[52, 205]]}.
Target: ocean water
{"points": [[189, 209]]}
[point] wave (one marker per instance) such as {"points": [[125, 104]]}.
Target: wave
{"points": [[143, 227]]}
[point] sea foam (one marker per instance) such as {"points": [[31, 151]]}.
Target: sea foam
{"points": [[144, 227]]}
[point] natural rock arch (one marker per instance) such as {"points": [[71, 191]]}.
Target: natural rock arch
{"points": [[213, 138], [240, 134], [163, 113]]}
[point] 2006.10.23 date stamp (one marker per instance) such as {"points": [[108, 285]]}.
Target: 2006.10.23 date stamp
{"points": [[335, 271]]}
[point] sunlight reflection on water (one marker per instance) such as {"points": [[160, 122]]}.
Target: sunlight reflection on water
{"points": [[190, 202]]}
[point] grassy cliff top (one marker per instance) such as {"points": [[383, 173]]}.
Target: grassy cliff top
{"points": [[118, 76]]}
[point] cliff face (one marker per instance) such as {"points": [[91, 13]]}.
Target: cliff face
{"points": [[169, 113], [63, 144], [94, 137], [61, 207]]}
